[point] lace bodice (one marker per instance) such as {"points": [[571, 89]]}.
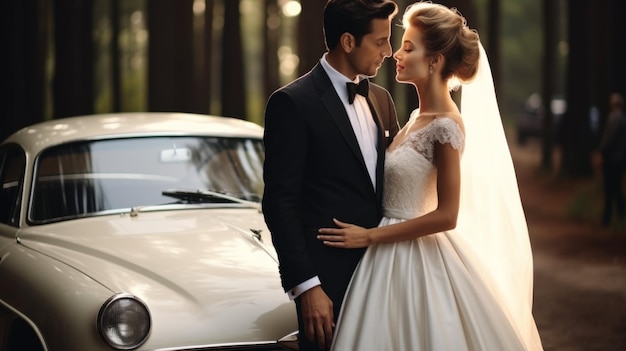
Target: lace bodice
{"points": [[410, 173]]}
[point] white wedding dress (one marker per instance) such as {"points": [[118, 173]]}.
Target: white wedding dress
{"points": [[432, 293]]}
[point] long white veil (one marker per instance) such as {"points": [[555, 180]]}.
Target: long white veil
{"points": [[491, 208]]}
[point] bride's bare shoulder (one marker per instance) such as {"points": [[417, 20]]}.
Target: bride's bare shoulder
{"points": [[455, 117]]}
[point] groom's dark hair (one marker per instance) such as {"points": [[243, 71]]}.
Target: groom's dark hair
{"points": [[354, 17]]}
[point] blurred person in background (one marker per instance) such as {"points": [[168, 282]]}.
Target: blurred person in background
{"points": [[613, 158]]}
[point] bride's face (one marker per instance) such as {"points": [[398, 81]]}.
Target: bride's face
{"points": [[412, 62]]}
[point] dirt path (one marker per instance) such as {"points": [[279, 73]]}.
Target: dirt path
{"points": [[580, 268]]}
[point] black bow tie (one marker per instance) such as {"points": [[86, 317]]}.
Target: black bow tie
{"points": [[362, 88]]}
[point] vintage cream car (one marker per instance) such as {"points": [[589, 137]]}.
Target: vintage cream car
{"points": [[138, 231]]}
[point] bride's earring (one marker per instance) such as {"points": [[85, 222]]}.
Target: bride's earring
{"points": [[430, 69]]}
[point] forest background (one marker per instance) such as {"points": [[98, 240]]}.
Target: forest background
{"points": [[224, 57]]}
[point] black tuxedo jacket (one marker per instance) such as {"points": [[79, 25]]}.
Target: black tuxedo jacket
{"points": [[314, 171]]}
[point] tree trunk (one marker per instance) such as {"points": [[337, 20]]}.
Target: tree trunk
{"points": [[233, 79], [550, 13], [576, 136], [204, 98], [202, 50], [271, 35], [599, 48], [170, 55], [493, 37], [611, 59], [310, 34], [617, 32], [116, 71], [73, 75], [24, 44]]}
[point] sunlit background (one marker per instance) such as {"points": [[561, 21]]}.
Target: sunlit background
{"points": [[521, 48], [120, 29], [133, 42], [225, 57]]}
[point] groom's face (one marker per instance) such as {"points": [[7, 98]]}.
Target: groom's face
{"points": [[367, 58]]}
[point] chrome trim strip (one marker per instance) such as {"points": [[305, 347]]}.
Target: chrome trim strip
{"points": [[268, 345], [151, 208], [290, 342]]}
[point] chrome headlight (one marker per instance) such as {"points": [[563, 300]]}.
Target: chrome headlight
{"points": [[124, 322]]}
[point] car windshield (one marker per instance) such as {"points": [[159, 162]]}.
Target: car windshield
{"points": [[83, 178]]}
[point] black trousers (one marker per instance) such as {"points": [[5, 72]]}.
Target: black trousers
{"points": [[613, 193]]}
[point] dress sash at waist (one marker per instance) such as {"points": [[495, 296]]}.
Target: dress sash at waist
{"points": [[396, 213]]}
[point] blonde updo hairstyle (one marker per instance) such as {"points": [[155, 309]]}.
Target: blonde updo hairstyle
{"points": [[445, 31]]}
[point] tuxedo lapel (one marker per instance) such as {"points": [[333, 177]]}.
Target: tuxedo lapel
{"points": [[337, 111], [340, 118]]}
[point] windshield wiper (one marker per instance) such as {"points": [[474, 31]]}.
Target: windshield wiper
{"points": [[206, 196]]}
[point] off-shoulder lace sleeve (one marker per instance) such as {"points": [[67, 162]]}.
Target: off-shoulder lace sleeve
{"points": [[443, 130]]}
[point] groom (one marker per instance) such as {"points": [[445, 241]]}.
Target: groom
{"points": [[325, 140]]}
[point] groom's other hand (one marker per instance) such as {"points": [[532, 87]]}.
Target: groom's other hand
{"points": [[317, 314]]}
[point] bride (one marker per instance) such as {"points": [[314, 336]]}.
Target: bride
{"points": [[450, 265]]}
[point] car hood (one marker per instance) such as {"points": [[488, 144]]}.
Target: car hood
{"points": [[202, 273]]}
